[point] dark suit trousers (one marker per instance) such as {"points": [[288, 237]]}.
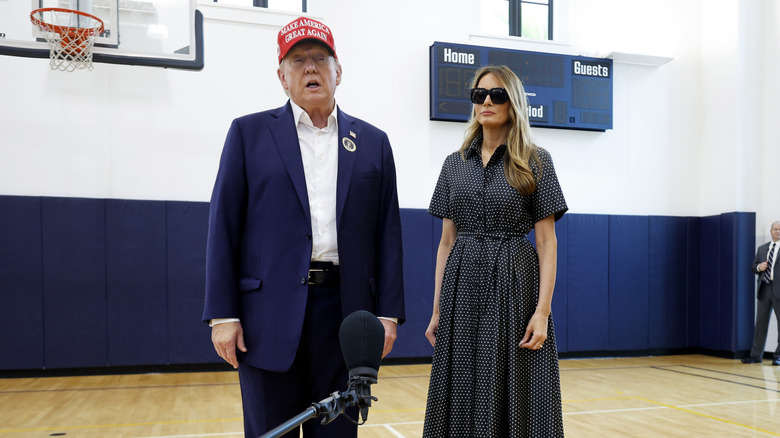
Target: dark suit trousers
{"points": [[766, 302], [271, 398]]}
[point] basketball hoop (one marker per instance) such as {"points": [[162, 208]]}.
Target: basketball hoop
{"points": [[70, 34]]}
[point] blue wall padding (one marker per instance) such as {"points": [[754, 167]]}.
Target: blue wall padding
{"points": [[668, 268], [418, 283], [94, 283], [74, 282], [435, 238], [727, 292], [136, 282], [560, 311], [727, 336], [628, 282], [187, 228], [709, 300], [744, 291], [21, 285], [693, 280], [587, 299]]}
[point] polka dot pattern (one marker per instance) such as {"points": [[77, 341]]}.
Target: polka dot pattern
{"points": [[482, 383]]}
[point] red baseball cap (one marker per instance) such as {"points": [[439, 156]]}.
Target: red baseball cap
{"points": [[300, 29]]}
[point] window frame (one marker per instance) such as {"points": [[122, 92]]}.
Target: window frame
{"points": [[264, 4], [516, 19]]}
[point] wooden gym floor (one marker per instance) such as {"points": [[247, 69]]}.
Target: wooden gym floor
{"points": [[666, 396]]}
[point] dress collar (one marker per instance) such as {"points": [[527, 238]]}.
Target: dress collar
{"points": [[476, 148]]}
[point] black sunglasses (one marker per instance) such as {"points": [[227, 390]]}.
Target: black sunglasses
{"points": [[497, 95]]}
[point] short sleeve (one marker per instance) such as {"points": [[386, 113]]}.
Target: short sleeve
{"points": [[547, 198], [440, 201]]}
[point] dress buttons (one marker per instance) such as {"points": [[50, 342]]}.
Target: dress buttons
{"points": [[303, 280]]}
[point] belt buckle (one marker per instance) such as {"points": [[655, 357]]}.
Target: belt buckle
{"points": [[309, 280]]}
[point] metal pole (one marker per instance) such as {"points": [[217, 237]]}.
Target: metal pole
{"points": [[291, 424]]}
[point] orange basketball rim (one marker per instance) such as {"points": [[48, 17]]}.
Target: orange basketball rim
{"points": [[74, 40]]}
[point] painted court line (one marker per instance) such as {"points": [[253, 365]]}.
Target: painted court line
{"points": [[743, 376], [742, 402], [104, 426], [392, 424], [389, 426], [723, 420], [199, 435], [612, 411], [679, 408], [717, 379], [393, 431]]}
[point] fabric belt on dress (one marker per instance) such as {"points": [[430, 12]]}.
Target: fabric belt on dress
{"points": [[493, 234], [323, 273]]}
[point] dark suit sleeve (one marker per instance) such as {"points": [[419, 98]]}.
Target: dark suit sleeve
{"points": [[760, 258], [226, 221], [390, 290]]}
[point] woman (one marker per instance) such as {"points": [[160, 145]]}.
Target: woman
{"points": [[495, 362]]}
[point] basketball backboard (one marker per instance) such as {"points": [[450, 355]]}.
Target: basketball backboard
{"points": [[162, 33]]}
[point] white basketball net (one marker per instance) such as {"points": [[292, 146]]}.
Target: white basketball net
{"points": [[70, 37]]}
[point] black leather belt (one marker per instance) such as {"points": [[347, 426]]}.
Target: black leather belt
{"points": [[323, 273]]}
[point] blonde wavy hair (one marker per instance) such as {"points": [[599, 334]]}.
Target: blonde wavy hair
{"points": [[520, 147]]}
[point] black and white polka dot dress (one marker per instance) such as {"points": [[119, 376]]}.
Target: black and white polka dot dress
{"points": [[482, 383]]}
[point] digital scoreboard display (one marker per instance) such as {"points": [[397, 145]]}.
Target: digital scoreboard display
{"points": [[567, 92]]}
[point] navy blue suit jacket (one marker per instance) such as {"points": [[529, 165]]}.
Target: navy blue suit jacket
{"points": [[259, 242]]}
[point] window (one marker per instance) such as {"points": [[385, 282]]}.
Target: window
{"points": [[525, 18], [282, 5]]}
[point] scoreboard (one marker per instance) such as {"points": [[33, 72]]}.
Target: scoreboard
{"points": [[567, 92]]}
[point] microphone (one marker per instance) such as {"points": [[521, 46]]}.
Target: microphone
{"points": [[362, 339]]}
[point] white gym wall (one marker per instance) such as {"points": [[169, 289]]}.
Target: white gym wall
{"points": [[691, 137]]}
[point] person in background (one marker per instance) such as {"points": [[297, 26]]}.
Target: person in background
{"points": [[495, 362], [768, 295], [304, 229]]}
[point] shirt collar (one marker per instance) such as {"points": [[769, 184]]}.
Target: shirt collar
{"points": [[301, 116], [476, 147]]}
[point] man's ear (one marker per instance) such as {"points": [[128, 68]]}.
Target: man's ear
{"points": [[282, 77]]}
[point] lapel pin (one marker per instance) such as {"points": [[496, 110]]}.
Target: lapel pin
{"points": [[352, 134], [348, 144]]}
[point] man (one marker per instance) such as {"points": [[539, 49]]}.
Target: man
{"points": [[304, 229], [765, 266]]}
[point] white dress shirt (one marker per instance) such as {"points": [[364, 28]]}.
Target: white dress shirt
{"points": [[320, 153]]}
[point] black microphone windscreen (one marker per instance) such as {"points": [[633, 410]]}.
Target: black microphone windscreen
{"points": [[362, 339]]}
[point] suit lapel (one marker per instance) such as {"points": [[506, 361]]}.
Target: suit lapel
{"points": [[286, 139], [350, 135]]}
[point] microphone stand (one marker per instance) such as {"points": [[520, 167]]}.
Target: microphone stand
{"points": [[358, 393]]}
